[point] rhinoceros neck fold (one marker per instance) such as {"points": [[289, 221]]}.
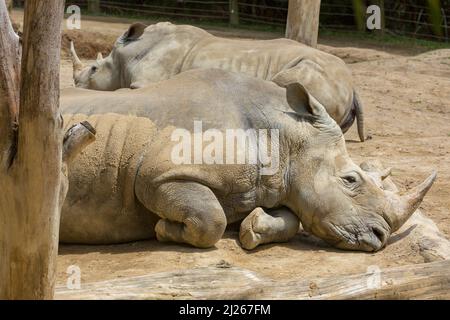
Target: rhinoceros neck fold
{"points": [[271, 191]]}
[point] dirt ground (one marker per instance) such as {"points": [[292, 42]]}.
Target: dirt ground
{"points": [[407, 108]]}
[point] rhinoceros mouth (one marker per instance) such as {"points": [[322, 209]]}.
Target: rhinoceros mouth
{"points": [[372, 238]]}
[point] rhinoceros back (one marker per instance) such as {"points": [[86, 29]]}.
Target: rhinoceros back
{"points": [[100, 205]]}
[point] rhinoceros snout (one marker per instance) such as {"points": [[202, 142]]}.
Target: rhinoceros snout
{"points": [[381, 234], [370, 238], [375, 239]]}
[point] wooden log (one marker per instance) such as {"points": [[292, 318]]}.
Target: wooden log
{"points": [[421, 281], [303, 21]]}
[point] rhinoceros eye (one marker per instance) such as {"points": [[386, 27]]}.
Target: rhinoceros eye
{"points": [[94, 69], [349, 179]]}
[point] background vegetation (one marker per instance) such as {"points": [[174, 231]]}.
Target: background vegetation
{"points": [[425, 19]]}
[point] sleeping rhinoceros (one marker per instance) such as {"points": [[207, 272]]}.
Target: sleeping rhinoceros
{"points": [[130, 184], [160, 51]]}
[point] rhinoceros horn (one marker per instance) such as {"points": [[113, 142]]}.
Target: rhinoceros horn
{"points": [[400, 208], [77, 64], [99, 57]]}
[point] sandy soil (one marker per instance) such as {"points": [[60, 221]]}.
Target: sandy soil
{"points": [[407, 106]]}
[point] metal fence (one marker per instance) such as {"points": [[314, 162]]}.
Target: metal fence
{"points": [[411, 18]]}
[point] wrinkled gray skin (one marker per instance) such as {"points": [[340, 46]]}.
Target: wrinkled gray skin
{"points": [[125, 187], [149, 54]]}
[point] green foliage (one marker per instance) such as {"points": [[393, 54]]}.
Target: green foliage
{"points": [[425, 19]]}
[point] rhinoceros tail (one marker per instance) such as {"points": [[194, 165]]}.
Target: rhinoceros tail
{"points": [[358, 109]]}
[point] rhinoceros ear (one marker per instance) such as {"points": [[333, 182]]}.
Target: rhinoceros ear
{"points": [[301, 101], [298, 99], [134, 31]]}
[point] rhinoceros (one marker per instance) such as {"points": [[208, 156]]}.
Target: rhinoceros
{"points": [[130, 184], [149, 54]]}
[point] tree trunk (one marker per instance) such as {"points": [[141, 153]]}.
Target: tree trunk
{"points": [[33, 176], [303, 21]]}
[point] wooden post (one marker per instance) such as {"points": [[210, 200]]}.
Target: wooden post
{"points": [[33, 153], [303, 21], [234, 12], [359, 11], [380, 3], [435, 17], [94, 6]]}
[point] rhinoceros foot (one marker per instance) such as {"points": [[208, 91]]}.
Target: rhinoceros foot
{"points": [[259, 227]]}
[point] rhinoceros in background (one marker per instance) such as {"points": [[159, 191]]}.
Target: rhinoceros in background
{"points": [[127, 186], [149, 54]]}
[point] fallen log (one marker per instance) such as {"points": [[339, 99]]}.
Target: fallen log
{"points": [[420, 281]]}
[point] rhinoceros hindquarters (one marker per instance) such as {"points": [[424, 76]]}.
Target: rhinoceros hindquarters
{"points": [[101, 207]]}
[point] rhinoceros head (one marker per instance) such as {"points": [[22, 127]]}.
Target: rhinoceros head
{"points": [[336, 199], [100, 75]]}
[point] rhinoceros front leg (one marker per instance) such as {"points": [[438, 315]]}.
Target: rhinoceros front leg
{"points": [[190, 213], [260, 227]]}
